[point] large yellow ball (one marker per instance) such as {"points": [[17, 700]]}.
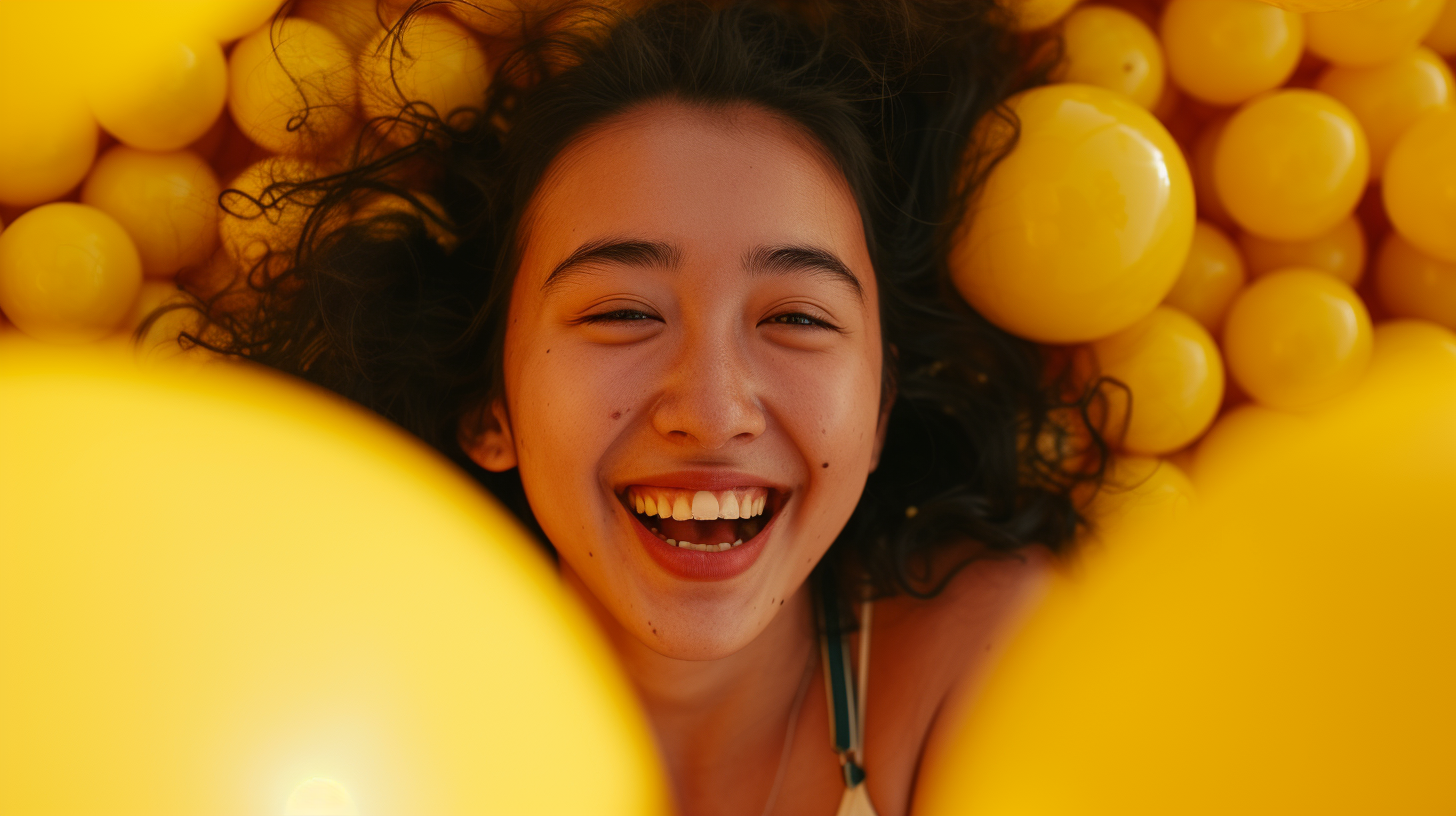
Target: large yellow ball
{"points": [[1296, 338], [1420, 184], [1227, 51], [293, 88], [69, 273], [1373, 33], [1082, 229], [1291, 165], [1442, 36], [1259, 657], [1387, 98], [1173, 378], [224, 592], [166, 201]]}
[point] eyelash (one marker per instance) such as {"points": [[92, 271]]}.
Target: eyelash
{"points": [[622, 316]]}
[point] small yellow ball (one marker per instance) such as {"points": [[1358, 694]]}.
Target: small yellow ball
{"points": [[166, 201]]}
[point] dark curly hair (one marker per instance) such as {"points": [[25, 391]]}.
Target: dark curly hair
{"points": [[989, 440]]}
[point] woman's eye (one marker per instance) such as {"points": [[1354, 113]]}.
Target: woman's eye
{"points": [[800, 319], [619, 316]]}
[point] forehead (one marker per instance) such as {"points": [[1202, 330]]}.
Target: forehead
{"points": [[712, 181]]}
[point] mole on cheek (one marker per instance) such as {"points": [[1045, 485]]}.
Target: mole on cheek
{"points": [[616, 415], [826, 464]]}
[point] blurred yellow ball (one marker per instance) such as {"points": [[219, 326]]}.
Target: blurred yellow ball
{"points": [[1296, 338], [1340, 252], [1420, 184], [1308, 6], [354, 22], [493, 18], [436, 62], [1083, 228], [166, 201], [1442, 36], [1371, 34], [1173, 375], [1291, 165], [47, 142], [1227, 51], [68, 273], [1111, 48], [293, 87], [260, 217], [1211, 277], [1388, 97], [1413, 284], [1221, 664], [322, 611], [1030, 15], [157, 90]]}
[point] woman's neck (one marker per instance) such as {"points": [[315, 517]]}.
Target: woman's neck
{"points": [[719, 723]]}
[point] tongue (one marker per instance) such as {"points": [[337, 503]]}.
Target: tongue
{"points": [[717, 531]]}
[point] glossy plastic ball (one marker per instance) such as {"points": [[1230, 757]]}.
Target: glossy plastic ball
{"points": [[1340, 252], [167, 202], [1296, 338], [293, 87], [69, 273], [157, 90], [1420, 184], [1083, 228], [436, 64], [1211, 277], [1387, 98], [1227, 51], [1371, 34], [1291, 165], [1413, 284], [1111, 48]]}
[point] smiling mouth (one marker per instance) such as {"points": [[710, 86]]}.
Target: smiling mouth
{"points": [[703, 520]]}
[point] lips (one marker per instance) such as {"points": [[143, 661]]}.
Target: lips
{"points": [[703, 526]]}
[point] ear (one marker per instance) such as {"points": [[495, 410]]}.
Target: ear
{"points": [[485, 436]]}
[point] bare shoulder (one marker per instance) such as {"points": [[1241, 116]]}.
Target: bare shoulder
{"points": [[929, 654]]}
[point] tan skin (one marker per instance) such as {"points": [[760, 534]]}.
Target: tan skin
{"points": [[626, 369]]}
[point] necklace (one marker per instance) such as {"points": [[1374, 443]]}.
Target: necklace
{"points": [[773, 792]]}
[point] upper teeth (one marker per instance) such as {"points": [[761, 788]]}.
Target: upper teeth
{"points": [[703, 505]]}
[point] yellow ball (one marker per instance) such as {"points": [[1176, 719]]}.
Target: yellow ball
{"points": [[1082, 229], [436, 63], [226, 20], [157, 91], [1388, 97], [321, 611], [1442, 36], [1296, 338], [1222, 453], [1138, 490], [1219, 664], [1308, 6], [354, 22], [293, 87], [1340, 252], [1413, 284], [68, 273], [1111, 48], [1420, 184], [1371, 34], [1227, 51], [166, 201], [1173, 378], [1211, 277], [47, 139], [1291, 165], [262, 213]]}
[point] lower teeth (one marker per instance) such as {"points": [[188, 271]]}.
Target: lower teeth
{"points": [[688, 545]]}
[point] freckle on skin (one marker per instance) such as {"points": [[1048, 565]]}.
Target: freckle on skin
{"points": [[826, 464], [616, 415]]}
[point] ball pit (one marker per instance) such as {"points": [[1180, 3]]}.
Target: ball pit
{"points": [[1266, 187]]}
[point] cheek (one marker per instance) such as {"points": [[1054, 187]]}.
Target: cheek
{"points": [[831, 409]]}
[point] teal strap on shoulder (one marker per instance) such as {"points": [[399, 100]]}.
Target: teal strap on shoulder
{"points": [[839, 677]]}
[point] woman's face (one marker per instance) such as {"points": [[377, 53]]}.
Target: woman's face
{"points": [[693, 354]]}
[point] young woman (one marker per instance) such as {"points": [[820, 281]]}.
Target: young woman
{"points": [[694, 327]]}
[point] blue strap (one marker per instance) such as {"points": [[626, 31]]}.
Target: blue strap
{"points": [[835, 641]]}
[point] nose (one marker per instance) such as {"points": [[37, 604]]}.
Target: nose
{"points": [[710, 398]]}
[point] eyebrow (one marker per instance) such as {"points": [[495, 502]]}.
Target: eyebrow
{"points": [[763, 260]]}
